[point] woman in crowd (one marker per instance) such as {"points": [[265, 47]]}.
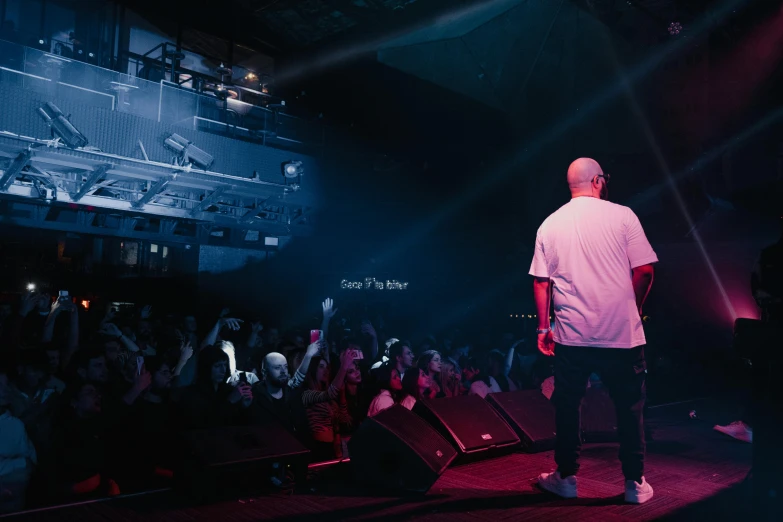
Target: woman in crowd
{"points": [[415, 384], [430, 363], [450, 376], [500, 368], [390, 384], [325, 418], [478, 380]]}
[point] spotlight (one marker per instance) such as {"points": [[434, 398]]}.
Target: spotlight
{"points": [[41, 41], [188, 152], [91, 55], [60, 126], [675, 28], [31, 287], [293, 169]]}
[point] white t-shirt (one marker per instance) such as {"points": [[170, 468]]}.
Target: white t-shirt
{"points": [[481, 388], [381, 402], [587, 249], [409, 402]]}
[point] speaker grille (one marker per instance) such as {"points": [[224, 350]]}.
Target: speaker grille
{"points": [[530, 414], [397, 450], [469, 421], [426, 442]]}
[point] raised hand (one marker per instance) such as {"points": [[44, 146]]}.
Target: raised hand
{"points": [[110, 329], [257, 327], [328, 308], [143, 380], [347, 357], [368, 329], [233, 324], [314, 349], [29, 303], [185, 351]]}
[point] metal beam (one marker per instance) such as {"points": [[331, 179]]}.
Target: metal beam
{"points": [[14, 169], [93, 178], [167, 227], [85, 218], [207, 201], [154, 190]]}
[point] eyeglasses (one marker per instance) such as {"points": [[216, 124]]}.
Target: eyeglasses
{"points": [[606, 177]]}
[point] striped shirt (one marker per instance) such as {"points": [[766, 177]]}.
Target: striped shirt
{"points": [[325, 417]]}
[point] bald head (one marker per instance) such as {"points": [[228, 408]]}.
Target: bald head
{"points": [[275, 369], [582, 178]]}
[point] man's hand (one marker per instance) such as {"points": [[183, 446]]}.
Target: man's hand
{"points": [[328, 308], [546, 344], [143, 380], [233, 324], [314, 349], [185, 351], [368, 329]]}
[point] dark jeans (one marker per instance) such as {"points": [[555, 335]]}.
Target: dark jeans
{"points": [[624, 372]]}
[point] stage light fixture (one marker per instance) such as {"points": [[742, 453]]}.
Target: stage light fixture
{"points": [[293, 169], [188, 152], [675, 28], [60, 126]]}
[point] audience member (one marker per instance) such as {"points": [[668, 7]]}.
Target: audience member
{"points": [[390, 384], [450, 376], [211, 402], [80, 464], [17, 453], [415, 384], [480, 383], [401, 356], [325, 417], [430, 363]]}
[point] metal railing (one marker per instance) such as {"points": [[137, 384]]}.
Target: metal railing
{"points": [[234, 114]]}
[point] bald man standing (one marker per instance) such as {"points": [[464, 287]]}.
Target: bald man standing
{"points": [[594, 261]]}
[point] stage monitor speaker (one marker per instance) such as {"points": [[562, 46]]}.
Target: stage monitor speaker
{"points": [[531, 416], [599, 419], [468, 422], [233, 460], [398, 450]]}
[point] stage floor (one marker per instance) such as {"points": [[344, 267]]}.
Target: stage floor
{"points": [[696, 472]]}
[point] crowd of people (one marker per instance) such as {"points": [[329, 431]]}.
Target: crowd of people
{"points": [[95, 405]]}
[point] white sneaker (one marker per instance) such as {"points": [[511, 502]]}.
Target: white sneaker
{"points": [[738, 430], [554, 483], [636, 493]]}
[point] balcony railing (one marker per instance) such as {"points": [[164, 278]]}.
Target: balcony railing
{"points": [[233, 113]]}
